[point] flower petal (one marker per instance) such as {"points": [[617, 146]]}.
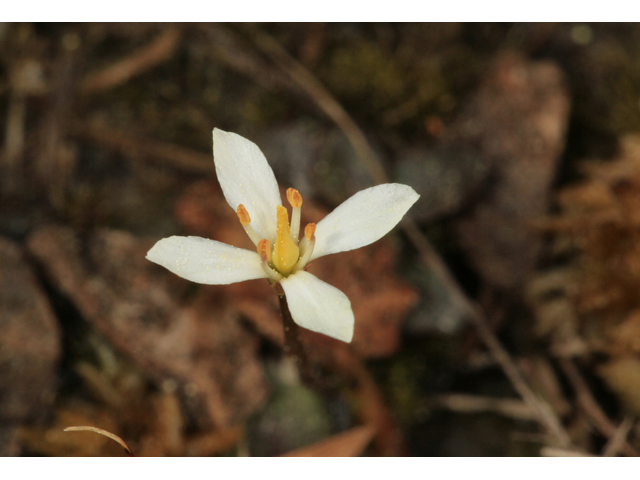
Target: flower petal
{"points": [[362, 219], [246, 178], [318, 306], [206, 261]]}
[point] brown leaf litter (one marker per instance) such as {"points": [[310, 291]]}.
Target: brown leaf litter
{"points": [[138, 308], [30, 347], [591, 304]]}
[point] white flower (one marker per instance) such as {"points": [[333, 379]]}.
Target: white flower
{"points": [[250, 188]]}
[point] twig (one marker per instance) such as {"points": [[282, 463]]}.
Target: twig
{"points": [[358, 140], [562, 452], [129, 144], [14, 142], [55, 165], [507, 407], [100, 431], [545, 414], [590, 405], [324, 99], [120, 72], [15, 128], [619, 439], [228, 48]]}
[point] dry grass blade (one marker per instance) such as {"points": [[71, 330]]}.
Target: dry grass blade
{"points": [[100, 431], [347, 444]]}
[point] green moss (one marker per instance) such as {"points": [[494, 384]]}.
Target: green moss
{"points": [[363, 71]]}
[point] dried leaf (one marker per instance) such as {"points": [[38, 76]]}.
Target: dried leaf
{"points": [[623, 376], [135, 304], [516, 123], [351, 443]]}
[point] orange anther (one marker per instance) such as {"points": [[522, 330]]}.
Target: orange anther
{"points": [[310, 230], [243, 215], [294, 197], [264, 249]]}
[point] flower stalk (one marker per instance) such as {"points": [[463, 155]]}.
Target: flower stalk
{"points": [[293, 346]]}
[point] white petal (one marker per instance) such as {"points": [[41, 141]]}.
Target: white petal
{"points": [[246, 178], [318, 306], [364, 218], [206, 261]]}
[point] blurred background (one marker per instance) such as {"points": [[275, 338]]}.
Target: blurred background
{"points": [[501, 318]]}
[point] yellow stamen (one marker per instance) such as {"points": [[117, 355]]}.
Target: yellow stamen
{"points": [[306, 246], [294, 197], [264, 249], [309, 230], [243, 215], [245, 220], [285, 250]]}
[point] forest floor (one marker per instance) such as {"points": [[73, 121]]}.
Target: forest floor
{"points": [[502, 317]]}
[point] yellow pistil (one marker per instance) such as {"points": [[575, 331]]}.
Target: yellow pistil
{"points": [[285, 250]]}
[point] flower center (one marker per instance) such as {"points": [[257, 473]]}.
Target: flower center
{"points": [[285, 252], [289, 254]]}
